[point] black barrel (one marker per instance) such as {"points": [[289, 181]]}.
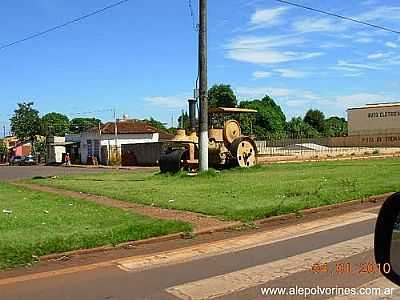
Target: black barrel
{"points": [[171, 162]]}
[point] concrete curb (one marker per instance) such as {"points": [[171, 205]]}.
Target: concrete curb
{"points": [[310, 211], [130, 244], [182, 235]]}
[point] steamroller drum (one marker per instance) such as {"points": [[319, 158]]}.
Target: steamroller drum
{"points": [[172, 161], [244, 152], [231, 131]]}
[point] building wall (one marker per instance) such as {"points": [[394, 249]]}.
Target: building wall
{"points": [[108, 140], [382, 120]]}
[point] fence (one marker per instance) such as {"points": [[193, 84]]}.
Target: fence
{"points": [[307, 148]]}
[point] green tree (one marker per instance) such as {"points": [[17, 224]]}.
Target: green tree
{"points": [[55, 124], [268, 121], [78, 125], [184, 121], [297, 128], [26, 123], [3, 150], [156, 124], [221, 95], [316, 119], [335, 126]]}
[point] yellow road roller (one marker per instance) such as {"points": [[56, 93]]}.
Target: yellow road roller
{"points": [[227, 147]]}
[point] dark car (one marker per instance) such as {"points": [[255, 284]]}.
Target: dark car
{"points": [[16, 161], [29, 161]]}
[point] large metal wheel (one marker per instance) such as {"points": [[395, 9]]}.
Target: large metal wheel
{"points": [[171, 162], [232, 131], [244, 152]]}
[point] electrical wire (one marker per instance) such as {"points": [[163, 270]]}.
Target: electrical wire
{"points": [[338, 16], [76, 20]]}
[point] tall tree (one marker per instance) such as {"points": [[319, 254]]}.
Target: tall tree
{"points": [[297, 128], [221, 95], [55, 124], [316, 119], [335, 126], [3, 151], [184, 121], [78, 125], [269, 119], [26, 123]]}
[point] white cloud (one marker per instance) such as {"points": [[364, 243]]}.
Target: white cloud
{"points": [[246, 92], [267, 17], [264, 42], [318, 25], [364, 40], [381, 13], [391, 45], [166, 101], [345, 64], [361, 99], [290, 73], [353, 74], [269, 56], [331, 45], [297, 103], [261, 50], [379, 55], [261, 74], [376, 55]]}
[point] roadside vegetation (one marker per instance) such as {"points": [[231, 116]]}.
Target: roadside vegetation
{"points": [[35, 223], [245, 194]]}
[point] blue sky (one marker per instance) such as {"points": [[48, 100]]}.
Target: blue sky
{"points": [[141, 57]]}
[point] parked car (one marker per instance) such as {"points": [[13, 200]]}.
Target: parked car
{"points": [[29, 161], [16, 160]]}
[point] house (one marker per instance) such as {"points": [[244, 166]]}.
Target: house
{"points": [[21, 149], [104, 144], [57, 147]]}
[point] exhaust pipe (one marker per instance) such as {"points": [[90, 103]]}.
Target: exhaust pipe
{"points": [[192, 114]]}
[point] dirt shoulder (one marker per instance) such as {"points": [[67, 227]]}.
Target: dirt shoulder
{"points": [[200, 222]]}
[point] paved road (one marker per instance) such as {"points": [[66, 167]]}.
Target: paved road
{"points": [[8, 173], [237, 268]]}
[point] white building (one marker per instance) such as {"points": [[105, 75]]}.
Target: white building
{"points": [[101, 142]]}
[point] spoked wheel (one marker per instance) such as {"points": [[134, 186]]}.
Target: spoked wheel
{"points": [[172, 161], [244, 152]]}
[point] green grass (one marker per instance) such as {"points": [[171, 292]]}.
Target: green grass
{"points": [[42, 223], [246, 194]]}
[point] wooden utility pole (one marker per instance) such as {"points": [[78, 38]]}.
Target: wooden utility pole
{"points": [[203, 111]]}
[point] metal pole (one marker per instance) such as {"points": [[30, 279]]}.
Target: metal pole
{"points": [[116, 133], [203, 112]]}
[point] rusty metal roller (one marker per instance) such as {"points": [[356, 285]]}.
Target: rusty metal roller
{"points": [[231, 131], [244, 151]]}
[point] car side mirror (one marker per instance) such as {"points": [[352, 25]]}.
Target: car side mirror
{"points": [[387, 239]]}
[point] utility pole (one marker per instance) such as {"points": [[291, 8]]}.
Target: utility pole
{"points": [[4, 131], [203, 111], [115, 132]]}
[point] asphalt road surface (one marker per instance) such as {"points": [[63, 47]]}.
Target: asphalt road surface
{"points": [[9, 173], [325, 253]]}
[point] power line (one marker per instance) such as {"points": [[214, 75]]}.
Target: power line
{"points": [[35, 35], [338, 16]]}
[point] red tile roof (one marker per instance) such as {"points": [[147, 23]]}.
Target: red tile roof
{"points": [[128, 127]]}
